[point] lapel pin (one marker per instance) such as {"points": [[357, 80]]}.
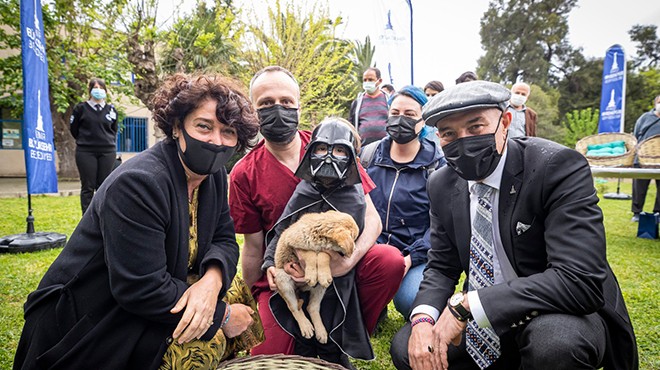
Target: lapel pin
{"points": [[513, 190]]}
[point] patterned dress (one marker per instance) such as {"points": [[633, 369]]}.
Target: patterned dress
{"points": [[199, 354]]}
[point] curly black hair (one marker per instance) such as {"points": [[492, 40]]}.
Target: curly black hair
{"points": [[180, 94]]}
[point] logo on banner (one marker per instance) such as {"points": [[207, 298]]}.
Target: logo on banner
{"points": [[613, 91], [389, 35]]}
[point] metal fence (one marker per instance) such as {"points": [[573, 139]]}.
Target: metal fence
{"points": [[132, 136]]}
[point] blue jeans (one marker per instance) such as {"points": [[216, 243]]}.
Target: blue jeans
{"points": [[405, 296]]}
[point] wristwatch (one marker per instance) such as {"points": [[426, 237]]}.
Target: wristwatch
{"points": [[455, 305]]}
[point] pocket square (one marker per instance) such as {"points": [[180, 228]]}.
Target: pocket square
{"points": [[521, 227]]}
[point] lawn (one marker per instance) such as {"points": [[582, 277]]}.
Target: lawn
{"points": [[636, 262]]}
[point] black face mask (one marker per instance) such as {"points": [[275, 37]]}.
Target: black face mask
{"points": [[328, 170], [278, 124], [473, 157], [204, 158], [401, 129]]}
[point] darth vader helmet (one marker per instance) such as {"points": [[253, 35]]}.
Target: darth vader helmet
{"points": [[330, 160]]}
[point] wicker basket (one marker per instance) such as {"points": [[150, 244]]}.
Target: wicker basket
{"points": [[648, 152], [278, 362], [623, 160]]}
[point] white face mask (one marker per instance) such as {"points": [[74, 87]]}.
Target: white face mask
{"points": [[518, 100], [657, 107], [369, 86]]}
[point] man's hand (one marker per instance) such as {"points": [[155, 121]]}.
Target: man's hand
{"points": [[199, 301], [419, 343], [446, 330], [293, 269]]}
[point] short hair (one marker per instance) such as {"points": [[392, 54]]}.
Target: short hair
{"points": [[529, 88], [376, 71], [387, 87], [272, 69], [656, 99], [466, 76], [95, 81], [180, 94], [435, 85]]}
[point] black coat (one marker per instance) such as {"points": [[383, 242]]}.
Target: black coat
{"points": [[560, 259], [104, 303]]}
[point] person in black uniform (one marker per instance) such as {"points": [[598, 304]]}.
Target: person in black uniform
{"points": [[94, 126]]}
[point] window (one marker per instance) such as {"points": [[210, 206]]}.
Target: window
{"points": [[12, 135], [132, 135]]}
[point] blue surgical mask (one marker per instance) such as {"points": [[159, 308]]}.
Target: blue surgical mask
{"points": [[98, 93]]}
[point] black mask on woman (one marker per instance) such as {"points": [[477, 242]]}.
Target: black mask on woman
{"points": [[473, 157], [204, 158], [278, 123], [402, 128]]}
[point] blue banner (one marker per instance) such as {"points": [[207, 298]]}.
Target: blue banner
{"points": [[37, 121], [393, 41], [613, 92]]}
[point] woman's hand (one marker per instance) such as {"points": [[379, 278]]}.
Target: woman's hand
{"points": [[239, 320], [408, 261], [199, 301]]}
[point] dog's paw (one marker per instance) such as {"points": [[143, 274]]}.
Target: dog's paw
{"points": [[306, 328], [311, 280], [321, 335], [325, 280]]}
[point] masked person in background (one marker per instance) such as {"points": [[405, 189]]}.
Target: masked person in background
{"points": [[141, 282], [400, 165], [523, 118], [368, 112], [261, 185], [520, 217], [94, 126]]}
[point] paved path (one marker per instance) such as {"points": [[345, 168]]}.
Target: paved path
{"points": [[17, 187]]}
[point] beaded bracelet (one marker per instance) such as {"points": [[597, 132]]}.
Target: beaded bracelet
{"points": [[226, 317], [421, 320]]}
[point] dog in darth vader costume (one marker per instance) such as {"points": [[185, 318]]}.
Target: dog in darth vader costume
{"points": [[330, 182]]}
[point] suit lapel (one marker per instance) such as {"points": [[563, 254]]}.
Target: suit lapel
{"points": [[509, 190], [460, 206]]}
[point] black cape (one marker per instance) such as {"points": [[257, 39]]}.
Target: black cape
{"points": [[340, 310]]}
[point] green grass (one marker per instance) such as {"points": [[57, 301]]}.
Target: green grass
{"points": [[636, 262]]}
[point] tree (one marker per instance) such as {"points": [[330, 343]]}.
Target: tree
{"points": [[203, 40], [79, 47], [580, 89], [527, 37], [580, 124], [305, 44], [361, 57], [648, 50]]}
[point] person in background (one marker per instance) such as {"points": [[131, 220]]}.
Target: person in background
{"points": [[262, 183], [400, 165], [141, 281], [520, 218], [523, 120], [369, 111], [647, 125], [388, 90], [466, 77], [94, 126], [432, 88]]}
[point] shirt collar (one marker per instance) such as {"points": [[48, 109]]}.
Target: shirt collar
{"points": [[92, 103], [494, 179]]}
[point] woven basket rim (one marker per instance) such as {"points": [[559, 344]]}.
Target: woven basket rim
{"points": [[281, 362], [621, 160]]}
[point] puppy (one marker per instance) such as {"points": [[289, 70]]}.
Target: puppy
{"points": [[312, 236]]}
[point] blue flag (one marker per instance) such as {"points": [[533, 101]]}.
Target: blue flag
{"points": [[613, 92], [37, 121], [393, 31]]}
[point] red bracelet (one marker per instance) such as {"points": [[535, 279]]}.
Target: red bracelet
{"points": [[421, 320]]}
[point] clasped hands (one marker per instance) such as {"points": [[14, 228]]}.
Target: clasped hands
{"points": [[199, 302], [428, 344]]}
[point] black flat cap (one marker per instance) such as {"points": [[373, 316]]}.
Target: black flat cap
{"points": [[463, 97]]}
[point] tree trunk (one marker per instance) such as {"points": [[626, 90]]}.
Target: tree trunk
{"points": [[64, 143], [141, 55]]}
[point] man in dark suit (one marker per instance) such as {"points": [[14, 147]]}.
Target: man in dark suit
{"points": [[539, 292]]}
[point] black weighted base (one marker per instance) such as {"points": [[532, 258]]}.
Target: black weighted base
{"points": [[31, 242], [620, 196]]}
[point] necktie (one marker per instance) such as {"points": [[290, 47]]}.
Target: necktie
{"points": [[98, 107], [483, 344]]}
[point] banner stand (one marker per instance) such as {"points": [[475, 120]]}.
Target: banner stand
{"points": [[618, 194], [31, 241], [37, 130]]}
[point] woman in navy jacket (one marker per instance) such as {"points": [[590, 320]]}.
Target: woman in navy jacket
{"points": [[400, 167], [149, 263]]}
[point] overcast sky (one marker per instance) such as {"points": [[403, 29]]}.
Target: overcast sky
{"points": [[446, 32]]}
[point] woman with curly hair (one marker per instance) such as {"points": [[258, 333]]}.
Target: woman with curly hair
{"points": [[147, 268]]}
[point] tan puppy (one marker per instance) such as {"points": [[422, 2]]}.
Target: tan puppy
{"points": [[312, 236]]}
